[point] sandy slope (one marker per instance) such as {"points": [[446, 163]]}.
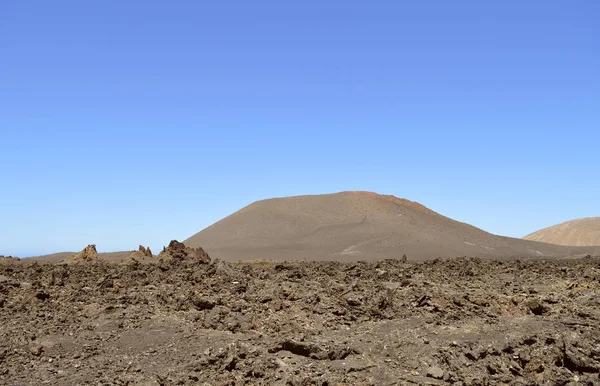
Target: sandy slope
{"points": [[579, 232], [355, 226]]}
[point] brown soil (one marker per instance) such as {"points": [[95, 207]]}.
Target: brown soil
{"points": [[189, 321]]}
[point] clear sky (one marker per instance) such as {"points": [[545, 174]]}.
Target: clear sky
{"points": [[128, 122]]}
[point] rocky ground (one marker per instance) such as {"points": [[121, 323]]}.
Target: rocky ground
{"points": [[195, 321]]}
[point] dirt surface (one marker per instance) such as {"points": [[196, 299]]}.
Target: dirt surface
{"points": [[189, 321], [357, 226], [579, 232]]}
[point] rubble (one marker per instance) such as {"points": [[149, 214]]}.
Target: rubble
{"points": [[178, 319]]}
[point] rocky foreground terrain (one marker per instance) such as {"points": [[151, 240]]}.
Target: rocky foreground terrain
{"points": [[178, 320]]}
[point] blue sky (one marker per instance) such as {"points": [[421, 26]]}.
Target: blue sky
{"points": [[128, 122]]}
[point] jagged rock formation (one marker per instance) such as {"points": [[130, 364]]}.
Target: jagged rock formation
{"points": [[141, 253], [146, 251], [89, 254], [177, 251]]}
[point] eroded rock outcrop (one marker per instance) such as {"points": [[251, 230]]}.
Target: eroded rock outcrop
{"points": [[141, 253], [177, 251], [88, 254]]}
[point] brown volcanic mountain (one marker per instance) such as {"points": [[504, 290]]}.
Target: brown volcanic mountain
{"points": [[581, 232], [355, 226]]}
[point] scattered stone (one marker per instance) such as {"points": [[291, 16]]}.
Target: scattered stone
{"points": [[353, 301], [435, 372], [36, 350], [203, 303], [537, 307], [575, 361]]}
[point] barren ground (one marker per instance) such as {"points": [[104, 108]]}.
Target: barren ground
{"points": [[459, 321]]}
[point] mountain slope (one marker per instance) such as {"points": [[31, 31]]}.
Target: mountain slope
{"points": [[581, 232], [354, 226]]}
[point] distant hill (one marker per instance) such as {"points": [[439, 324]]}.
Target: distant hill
{"points": [[356, 226], [62, 256], [581, 232]]}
